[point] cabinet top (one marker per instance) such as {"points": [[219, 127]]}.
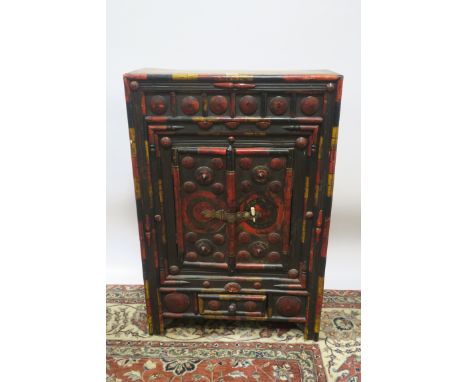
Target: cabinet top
{"points": [[182, 75]]}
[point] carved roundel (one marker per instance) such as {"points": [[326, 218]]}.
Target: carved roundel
{"points": [[250, 306], [219, 256], [158, 104], [273, 257], [218, 239], [288, 306], [248, 105], [244, 237], [274, 237], [217, 188], [258, 249], [243, 255], [270, 209], [204, 247], [275, 186], [246, 185], [191, 237], [278, 105], [204, 175], [190, 105], [245, 163], [309, 105], [260, 174], [277, 163], [217, 163], [188, 162], [191, 256], [189, 187], [177, 302], [218, 104], [213, 304]]}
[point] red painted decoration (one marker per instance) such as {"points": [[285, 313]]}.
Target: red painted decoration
{"points": [[232, 287], [217, 188], [278, 105], [158, 105], [191, 237], [288, 306], [218, 256], [250, 306], [176, 302], [275, 186], [245, 163], [274, 238], [248, 105], [188, 162], [243, 256], [218, 239], [277, 163], [189, 187], [190, 105], [246, 185], [309, 105], [217, 163], [191, 256], [273, 257], [244, 237], [218, 104], [214, 304]]}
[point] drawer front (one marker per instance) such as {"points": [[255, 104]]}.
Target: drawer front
{"points": [[232, 305], [206, 100]]}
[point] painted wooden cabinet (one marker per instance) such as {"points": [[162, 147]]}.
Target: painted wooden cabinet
{"points": [[233, 178]]}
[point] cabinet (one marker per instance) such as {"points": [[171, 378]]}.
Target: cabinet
{"points": [[233, 176]]}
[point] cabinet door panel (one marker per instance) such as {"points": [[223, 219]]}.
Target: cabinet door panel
{"points": [[198, 175], [264, 183]]}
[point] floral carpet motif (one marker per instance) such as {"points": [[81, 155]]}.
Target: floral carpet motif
{"points": [[222, 351]]}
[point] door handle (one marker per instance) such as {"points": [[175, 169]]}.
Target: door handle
{"points": [[232, 217]]}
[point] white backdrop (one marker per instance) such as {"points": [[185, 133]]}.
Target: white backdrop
{"points": [[241, 35]]}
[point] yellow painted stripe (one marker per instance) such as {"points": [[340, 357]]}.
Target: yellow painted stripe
{"points": [[319, 297], [184, 76], [331, 178], [149, 313], [132, 142]]}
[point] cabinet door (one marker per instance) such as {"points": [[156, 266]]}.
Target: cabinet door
{"points": [[232, 209], [264, 179], [199, 185]]}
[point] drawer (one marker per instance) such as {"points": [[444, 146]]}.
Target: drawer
{"points": [[232, 304], [209, 101]]}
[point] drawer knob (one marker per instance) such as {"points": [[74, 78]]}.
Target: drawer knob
{"points": [[232, 308]]}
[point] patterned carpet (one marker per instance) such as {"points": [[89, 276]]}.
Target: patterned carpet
{"points": [[224, 351]]}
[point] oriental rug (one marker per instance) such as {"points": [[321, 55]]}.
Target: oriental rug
{"points": [[224, 351]]}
